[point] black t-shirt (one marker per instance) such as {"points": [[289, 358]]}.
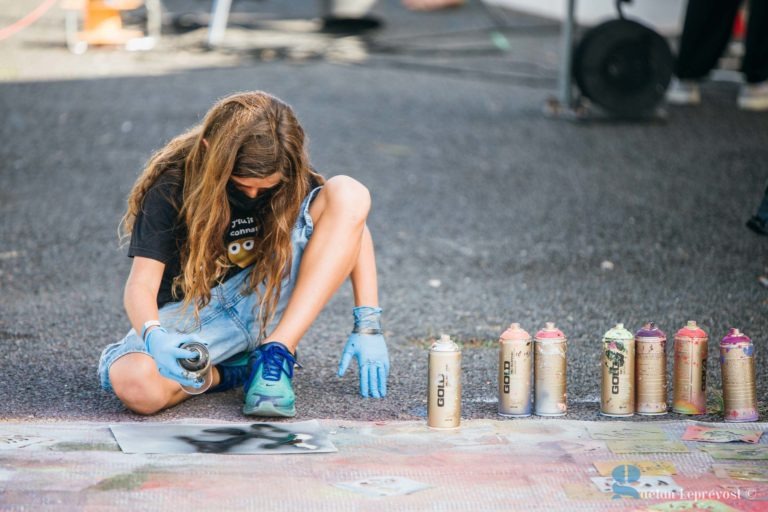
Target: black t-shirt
{"points": [[159, 233]]}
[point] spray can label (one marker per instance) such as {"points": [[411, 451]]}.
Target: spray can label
{"points": [[737, 365], [515, 372], [650, 370], [690, 370], [444, 385]]}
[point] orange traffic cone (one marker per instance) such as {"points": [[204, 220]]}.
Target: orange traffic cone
{"points": [[102, 24]]}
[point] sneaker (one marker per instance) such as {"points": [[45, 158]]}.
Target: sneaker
{"points": [[758, 225], [754, 96], [683, 92], [268, 391], [232, 373]]}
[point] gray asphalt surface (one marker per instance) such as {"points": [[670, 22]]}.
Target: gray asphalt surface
{"points": [[512, 212]]}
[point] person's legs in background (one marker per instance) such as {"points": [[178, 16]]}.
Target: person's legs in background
{"points": [[707, 29], [754, 93]]}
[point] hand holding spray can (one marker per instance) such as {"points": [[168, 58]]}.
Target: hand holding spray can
{"points": [[515, 372], [690, 371], [550, 372], [651, 371], [737, 365], [199, 367], [618, 364], [444, 386]]}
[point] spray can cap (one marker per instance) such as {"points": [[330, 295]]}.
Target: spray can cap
{"points": [[444, 344], [691, 330], [550, 332], [735, 336], [650, 330], [618, 333], [515, 332]]}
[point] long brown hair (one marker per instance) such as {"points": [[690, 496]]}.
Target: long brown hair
{"points": [[250, 134]]}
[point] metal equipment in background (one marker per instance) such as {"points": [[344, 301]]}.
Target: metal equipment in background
{"points": [[622, 67]]}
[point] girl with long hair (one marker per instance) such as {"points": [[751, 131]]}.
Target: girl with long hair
{"points": [[237, 243]]}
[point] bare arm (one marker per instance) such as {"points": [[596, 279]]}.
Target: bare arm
{"points": [[140, 295]]}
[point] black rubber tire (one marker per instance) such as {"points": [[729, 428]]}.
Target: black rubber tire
{"points": [[624, 67]]}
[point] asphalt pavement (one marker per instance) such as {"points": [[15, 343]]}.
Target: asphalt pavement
{"points": [[485, 212]]}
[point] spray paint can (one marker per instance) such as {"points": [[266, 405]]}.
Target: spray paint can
{"points": [[618, 364], [199, 366], [737, 366], [515, 372], [550, 366], [444, 387], [690, 370], [651, 371]]}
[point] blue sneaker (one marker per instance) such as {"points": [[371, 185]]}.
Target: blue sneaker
{"points": [[268, 391], [232, 373]]}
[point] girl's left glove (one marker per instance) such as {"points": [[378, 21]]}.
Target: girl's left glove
{"points": [[367, 345]]}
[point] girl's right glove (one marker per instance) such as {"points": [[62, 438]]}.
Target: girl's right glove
{"points": [[165, 350], [367, 345]]}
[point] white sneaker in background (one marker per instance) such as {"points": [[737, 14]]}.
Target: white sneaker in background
{"points": [[683, 92], [754, 96]]}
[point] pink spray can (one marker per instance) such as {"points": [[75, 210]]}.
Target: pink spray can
{"points": [[549, 374], [690, 370]]}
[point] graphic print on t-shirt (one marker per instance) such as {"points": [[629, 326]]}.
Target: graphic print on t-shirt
{"points": [[242, 241]]}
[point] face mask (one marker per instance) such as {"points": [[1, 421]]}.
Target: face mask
{"points": [[242, 202]]}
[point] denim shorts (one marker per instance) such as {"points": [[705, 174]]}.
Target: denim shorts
{"points": [[229, 323]]}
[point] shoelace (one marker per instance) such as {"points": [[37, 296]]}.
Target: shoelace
{"points": [[273, 358]]}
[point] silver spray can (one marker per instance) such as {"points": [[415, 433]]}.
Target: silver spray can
{"points": [[199, 367], [444, 386]]}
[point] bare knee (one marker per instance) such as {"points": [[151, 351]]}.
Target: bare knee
{"points": [[349, 197], [138, 384]]}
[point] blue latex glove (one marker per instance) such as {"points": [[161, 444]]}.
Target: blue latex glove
{"points": [[164, 348], [367, 345]]}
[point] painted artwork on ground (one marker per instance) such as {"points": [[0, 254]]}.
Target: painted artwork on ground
{"points": [[646, 467], [741, 472], [721, 434], [646, 486], [736, 452], [246, 438], [383, 486], [13, 441], [625, 432], [689, 506], [646, 447]]}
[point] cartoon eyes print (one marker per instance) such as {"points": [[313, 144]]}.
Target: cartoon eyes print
{"points": [[241, 252]]}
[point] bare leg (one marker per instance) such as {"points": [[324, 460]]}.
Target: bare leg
{"points": [[339, 214], [139, 385]]}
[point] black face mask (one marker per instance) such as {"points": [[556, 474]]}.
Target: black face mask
{"points": [[241, 201]]}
